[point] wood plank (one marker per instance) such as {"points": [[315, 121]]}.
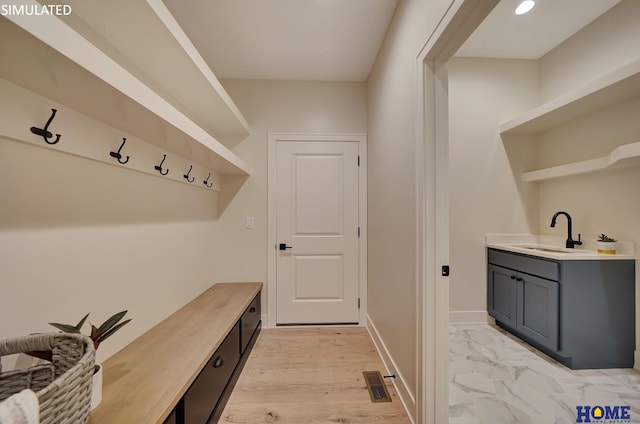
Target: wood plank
{"points": [[311, 375], [145, 380]]}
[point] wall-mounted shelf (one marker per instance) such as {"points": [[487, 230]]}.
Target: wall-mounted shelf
{"points": [[626, 155], [145, 39], [48, 57], [615, 87], [23, 115]]}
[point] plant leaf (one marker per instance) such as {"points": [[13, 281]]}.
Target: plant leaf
{"points": [[94, 333], [109, 333], [70, 328], [65, 327], [110, 322], [81, 323]]}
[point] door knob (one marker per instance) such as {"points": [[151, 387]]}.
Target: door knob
{"points": [[283, 246]]}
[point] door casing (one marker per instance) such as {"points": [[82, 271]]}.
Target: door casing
{"points": [[432, 204], [272, 139]]}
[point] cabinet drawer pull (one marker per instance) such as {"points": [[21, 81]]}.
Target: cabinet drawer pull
{"points": [[252, 310], [519, 279], [218, 362]]}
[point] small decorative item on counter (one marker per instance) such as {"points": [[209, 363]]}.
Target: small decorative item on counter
{"points": [[606, 245]]}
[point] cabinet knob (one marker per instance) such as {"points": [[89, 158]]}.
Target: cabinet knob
{"points": [[252, 310], [513, 277], [218, 362]]}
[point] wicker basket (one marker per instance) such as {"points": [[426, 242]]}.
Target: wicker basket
{"points": [[63, 387]]}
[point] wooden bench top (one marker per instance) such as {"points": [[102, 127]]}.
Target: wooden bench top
{"points": [[145, 380]]}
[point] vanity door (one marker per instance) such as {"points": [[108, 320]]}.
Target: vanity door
{"points": [[502, 296], [538, 309]]}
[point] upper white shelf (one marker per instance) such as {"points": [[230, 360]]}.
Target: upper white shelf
{"points": [[144, 38], [617, 86], [87, 74], [625, 155]]}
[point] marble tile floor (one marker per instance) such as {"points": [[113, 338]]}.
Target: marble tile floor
{"points": [[495, 378]]}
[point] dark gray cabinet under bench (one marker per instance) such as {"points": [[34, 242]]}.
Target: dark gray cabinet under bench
{"points": [[206, 398], [580, 312], [182, 371]]}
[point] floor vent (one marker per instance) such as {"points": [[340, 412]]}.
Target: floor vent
{"points": [[375, 385]]}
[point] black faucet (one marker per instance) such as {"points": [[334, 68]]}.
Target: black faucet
{"points": [[570, 241]]}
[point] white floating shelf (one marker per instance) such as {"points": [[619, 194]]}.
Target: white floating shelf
{"points": [[46, 56], [615, 87], [625, 155], [144, 38], [88, 138]]}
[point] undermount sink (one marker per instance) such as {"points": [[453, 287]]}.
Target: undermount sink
{"points": [[554, 249]]}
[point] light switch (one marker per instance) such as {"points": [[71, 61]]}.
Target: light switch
{"points": [[249, 224]]}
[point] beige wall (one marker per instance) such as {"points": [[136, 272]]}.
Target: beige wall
{"points": [[276, 106], [607, 201], [391, 182], [607, 43], [79, 236], [486, 196]]}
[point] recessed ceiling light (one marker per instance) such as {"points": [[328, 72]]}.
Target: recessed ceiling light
{"points": [[525, 6]]}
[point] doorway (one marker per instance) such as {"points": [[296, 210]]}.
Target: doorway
{"points": [[317, 229], [432, 203]]}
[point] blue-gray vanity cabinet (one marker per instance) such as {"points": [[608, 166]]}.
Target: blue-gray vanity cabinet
{"points": [[524, 302], [502, 295], [537, 309], [580, 312]]}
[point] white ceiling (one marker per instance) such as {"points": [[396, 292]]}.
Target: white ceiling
{"points": [[503, 34], [338, 40], [325, 40]]}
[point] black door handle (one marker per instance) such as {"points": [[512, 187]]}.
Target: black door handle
{"points": [[283, 246]]}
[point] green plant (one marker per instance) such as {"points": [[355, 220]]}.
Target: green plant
{"points": [[605, 238], [98, 334]]}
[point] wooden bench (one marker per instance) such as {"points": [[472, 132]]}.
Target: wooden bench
{"points": [[183, 369]]}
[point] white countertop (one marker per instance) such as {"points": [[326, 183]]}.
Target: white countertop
{"points": [[553, 247]]}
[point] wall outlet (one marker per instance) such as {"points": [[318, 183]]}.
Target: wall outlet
{"points": [[249, 223]]}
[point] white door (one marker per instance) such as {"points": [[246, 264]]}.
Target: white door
{"points": [[317, 232]]}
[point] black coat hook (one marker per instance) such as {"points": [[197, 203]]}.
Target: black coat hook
{"points": [[159, 167], [44, 132], [117, 154], [206, 182], [186, 176]]}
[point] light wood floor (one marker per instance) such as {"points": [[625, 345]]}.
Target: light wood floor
{"points": [[310, 375]]}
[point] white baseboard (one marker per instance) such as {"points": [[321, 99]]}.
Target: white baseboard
{"points": [[265, 322], [636, 360], [468, 317], [404, 394]]}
